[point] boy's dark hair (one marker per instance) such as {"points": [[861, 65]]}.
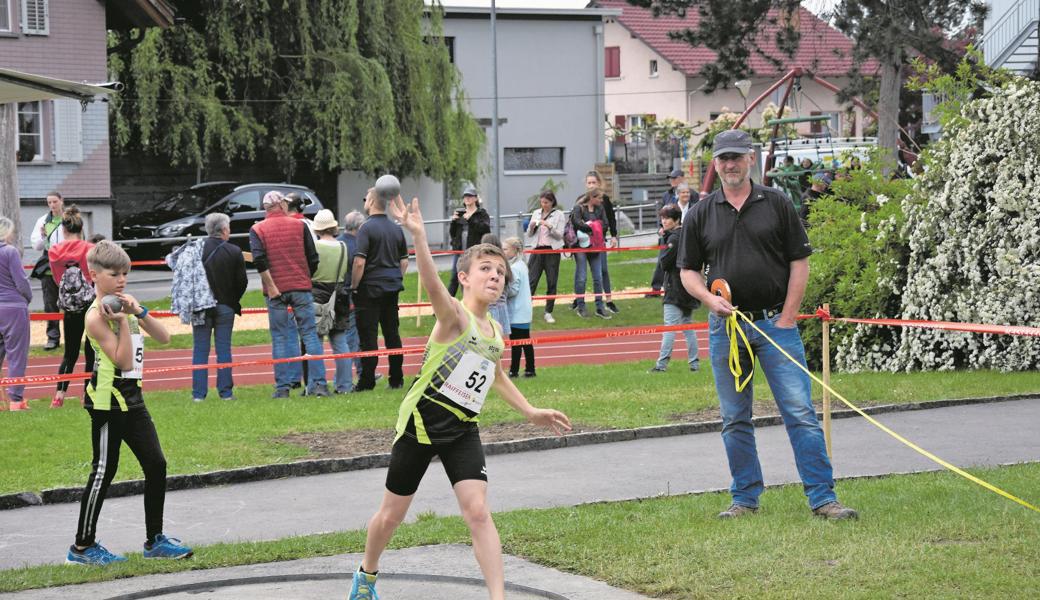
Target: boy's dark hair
{"points": [[71, 220], [670, 211], [481, 250], [490, 238]]}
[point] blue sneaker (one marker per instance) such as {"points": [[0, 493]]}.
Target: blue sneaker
{"points": [[95, 554], [167, 547], [364, 587]]}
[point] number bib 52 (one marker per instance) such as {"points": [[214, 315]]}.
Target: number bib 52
{"points": [[470, 381], [138, 345]]}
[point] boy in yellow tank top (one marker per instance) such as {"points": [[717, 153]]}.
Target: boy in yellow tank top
{"points": [[438, 416], [117, 412]]}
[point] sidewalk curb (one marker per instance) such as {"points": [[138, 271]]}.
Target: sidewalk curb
{"points": [[373, 461]]}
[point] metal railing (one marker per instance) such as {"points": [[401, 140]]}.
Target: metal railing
{"points": [[1008, 30]]}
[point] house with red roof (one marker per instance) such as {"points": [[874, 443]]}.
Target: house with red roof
{"points": [[650, 75]]}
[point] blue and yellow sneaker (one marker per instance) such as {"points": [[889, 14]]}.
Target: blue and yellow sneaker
{"points": [[166, 547], [95, 554], [364, 587]]}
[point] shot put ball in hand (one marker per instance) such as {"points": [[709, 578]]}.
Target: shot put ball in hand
{"points": [[113, 303]]}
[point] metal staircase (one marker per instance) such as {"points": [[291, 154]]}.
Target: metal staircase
{"points": [[1012, 41]]}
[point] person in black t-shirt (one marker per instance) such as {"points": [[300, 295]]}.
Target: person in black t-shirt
{"points": [[377, 278], [751, 237]]}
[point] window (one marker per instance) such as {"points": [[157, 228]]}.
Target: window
{"points": [[68, 131], [449, 43], [636, 126], [34, 17], [653, 68], [5, 15], [612, 61], [534, 159], [247, 201], [825, 128], [30, 132]]}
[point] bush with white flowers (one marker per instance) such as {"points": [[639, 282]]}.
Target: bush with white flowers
{"points": [[972, 224]]}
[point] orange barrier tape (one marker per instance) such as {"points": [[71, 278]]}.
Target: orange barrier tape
{"points": [[547, 339]]}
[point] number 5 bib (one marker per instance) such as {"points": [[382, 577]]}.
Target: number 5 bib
{"points": [[470, 381]]}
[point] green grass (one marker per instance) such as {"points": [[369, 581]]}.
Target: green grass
{"points": [[931, 535], [218, 435]]}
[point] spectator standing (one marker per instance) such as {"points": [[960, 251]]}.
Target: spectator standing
{"points": [[682, 200], [593, 181], [72, 252], [226, 274], [787, 179], [499, 309], [670, 196], [332, 278], [820, 184], [804, 177], [46, 233], [678, 305], [294, 203], [520, 309], [750, 236], [15, 295], [545, 232], [589, 217], [377, 279], [351, 223], [285, 256], [470, 223]]}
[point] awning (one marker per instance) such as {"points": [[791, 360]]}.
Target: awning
{"points": [[23, 87]]}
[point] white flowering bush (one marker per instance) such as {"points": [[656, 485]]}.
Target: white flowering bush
{"points": [[973, 235]]}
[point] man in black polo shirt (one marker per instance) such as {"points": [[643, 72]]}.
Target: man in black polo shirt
{"points": [[378, 277], [751, 237]]}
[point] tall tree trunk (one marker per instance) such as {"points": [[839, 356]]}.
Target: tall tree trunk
{"points": [[888, 109], [9, 206]]}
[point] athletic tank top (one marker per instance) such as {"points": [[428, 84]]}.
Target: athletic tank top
{"points": [[445, 399], [107, 381]]}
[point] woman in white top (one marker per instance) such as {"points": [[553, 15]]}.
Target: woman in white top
{"points": [[545, 232]]}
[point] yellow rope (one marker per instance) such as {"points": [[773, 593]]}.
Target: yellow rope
{"points": [[732, 330]]}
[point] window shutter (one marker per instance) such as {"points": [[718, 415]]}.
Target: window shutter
{"points": [[68, 131], [35, 19], [612, 62], [619, 122]]}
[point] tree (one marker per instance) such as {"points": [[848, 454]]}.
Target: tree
{"points": [[9, 205], [888, 31], [339, 84]]}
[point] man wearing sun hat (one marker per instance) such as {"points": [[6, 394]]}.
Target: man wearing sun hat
{"points": [[331, 290], [749, 237], [285, 257]]}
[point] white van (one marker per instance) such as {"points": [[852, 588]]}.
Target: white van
{"points": [[828, 152]]}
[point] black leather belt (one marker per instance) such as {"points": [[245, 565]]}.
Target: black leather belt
{"points": [[763, 314]]}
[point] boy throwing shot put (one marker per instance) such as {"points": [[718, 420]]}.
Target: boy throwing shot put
{"points": [[439, 414], [117, 412]]}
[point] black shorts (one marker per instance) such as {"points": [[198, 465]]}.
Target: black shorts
{"points": [[462, 458]]}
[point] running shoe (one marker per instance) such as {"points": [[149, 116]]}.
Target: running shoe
{"points": [[549, 318], [166, 547], [835, 511], [58, 401], [613, 308], [602, 313], [364, 586], [657, 369], [582, 311], [17, 405], [695, 365], [95, 554]]}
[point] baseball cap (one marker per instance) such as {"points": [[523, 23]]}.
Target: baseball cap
{"points": [[675, 173], [273, 197], [731, 141], [469, 191]]}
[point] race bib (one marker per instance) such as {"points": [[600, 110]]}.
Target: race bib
{"points": [[470, 381], [138, 343]]}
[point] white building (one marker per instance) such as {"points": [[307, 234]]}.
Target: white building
{"points": [[1010, 35]]}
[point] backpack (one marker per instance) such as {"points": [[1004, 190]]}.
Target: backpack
{"points": [[325, 312], [74, 293], [570, 235]]}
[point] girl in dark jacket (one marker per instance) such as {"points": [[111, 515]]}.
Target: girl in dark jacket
{"points": [[588, 217], [470, 223], [678, 304]]}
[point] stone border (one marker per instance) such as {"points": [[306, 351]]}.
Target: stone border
{"points": [[203, 586], [374, 461]]}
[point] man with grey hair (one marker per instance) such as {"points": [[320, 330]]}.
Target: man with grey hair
{"points": [[682, 197], [351, 223], [226, 274], [377, 278]]}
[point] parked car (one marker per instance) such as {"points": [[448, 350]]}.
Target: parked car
{"points": [[184, 214]]}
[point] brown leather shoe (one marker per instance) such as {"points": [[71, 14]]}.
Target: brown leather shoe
{"points": [[835, 511], [737, 510]]}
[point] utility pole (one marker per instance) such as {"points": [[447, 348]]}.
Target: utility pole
{"points": [[9, 205], [494, 119]]}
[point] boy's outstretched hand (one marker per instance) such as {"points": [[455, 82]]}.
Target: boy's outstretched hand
{"points": [[408, 216], [553, 419]]}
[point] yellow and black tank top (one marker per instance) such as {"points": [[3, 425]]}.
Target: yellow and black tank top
{"points": [[107, 383], [445, 399]]}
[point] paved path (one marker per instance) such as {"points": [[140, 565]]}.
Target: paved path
{"points": [[975, 435]]}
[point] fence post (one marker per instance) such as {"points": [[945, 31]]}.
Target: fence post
{"points": [[827, 380]]}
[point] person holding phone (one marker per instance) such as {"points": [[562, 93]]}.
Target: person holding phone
{"points": [[469, 224]]}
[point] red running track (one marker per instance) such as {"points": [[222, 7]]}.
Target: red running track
{"points": [[629, 348]]}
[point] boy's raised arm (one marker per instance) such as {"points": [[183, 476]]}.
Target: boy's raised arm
{"points": [[444, 306]]}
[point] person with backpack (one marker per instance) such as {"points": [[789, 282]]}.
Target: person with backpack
{"points": [[546, 232], [68, 266], [588, 217], [226, 274], [331, 290]]}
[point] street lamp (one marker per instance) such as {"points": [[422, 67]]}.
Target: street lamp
{"points": [[743, 86]]}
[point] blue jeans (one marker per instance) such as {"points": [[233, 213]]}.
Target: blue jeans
{"points": [[219, 322], [673, 315], [285, 341], [605, 273], [353, 343], [344, 381], [790, 386], [595, 261]]}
